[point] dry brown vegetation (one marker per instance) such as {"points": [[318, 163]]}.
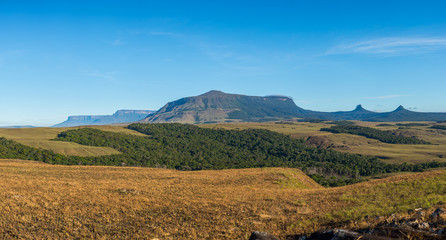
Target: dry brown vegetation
{"points": [[390, 153], [49, 201], [42, 138]]}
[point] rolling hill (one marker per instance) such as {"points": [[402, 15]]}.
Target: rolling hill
{"points": [[42, 201], [189, 147]]}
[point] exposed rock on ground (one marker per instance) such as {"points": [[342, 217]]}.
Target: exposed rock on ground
{"points": [[424, 224], [318, 141], [417, 224], [262, 236]]}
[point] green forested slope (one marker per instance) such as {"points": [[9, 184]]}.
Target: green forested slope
{"points": [[188, 147], [383, 136]]}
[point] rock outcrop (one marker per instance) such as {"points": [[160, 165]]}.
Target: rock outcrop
{"points": [[120, 116], [262, 236]]}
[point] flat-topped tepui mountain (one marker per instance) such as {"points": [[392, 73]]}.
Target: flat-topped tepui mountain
{"points": [[120, 116], [217, 106]]}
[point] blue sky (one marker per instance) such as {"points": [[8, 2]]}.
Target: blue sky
{"points": [[59, 59]]}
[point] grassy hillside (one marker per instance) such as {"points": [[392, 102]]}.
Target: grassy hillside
{"points": [[188, 147], [42, 138], [373, 133], [389, 153], [63, 202], [54, 201]]}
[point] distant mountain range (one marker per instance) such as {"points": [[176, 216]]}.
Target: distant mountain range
{"points": [[19, 126], [121, 116], [216, 106], [398, 115]]}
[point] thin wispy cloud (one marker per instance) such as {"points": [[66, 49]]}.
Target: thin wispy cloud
{"points": [[233, 54], [387, 96], [216, 54], [244, 68], [117, 42], [109, 76], [214, 51], [391, 46], [170, 34]]}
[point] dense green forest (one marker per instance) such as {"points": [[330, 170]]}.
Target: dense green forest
{"points": [[412, 124], [12, 150], [443, 127], [312, 120], [342, 122], [383, 136], [188, 147], [384, 125]]}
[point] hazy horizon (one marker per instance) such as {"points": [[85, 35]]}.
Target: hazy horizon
{"points": [[92, 58]]}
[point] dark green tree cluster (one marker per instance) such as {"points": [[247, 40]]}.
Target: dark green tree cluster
{"points": [[334, 181], [383, 136], [12, 150], [188, 147], [442, 127], [312, 120], [342, 122], [285, 122], [412, 124]]}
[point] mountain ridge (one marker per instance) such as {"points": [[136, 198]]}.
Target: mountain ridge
{"points": [[120, 116], [216, 106]]}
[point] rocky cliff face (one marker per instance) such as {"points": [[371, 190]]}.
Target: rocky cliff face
{"points": [[120, 116], [216, 106]]}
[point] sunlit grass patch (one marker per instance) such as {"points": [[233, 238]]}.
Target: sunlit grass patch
{"points": [[392, 197], [58, 202]]}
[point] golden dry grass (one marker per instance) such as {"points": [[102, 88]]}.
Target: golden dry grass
{"points": [[391, 153], [40, 201], [41, 138]]}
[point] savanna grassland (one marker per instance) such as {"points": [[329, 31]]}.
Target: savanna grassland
{"points": [[44, 201], [189, 147], [42, 138], [389, 153], [39, 200]]}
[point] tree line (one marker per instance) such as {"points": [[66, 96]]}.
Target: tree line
{"points": [[442, 127], [188, 147], [380, 135]]}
